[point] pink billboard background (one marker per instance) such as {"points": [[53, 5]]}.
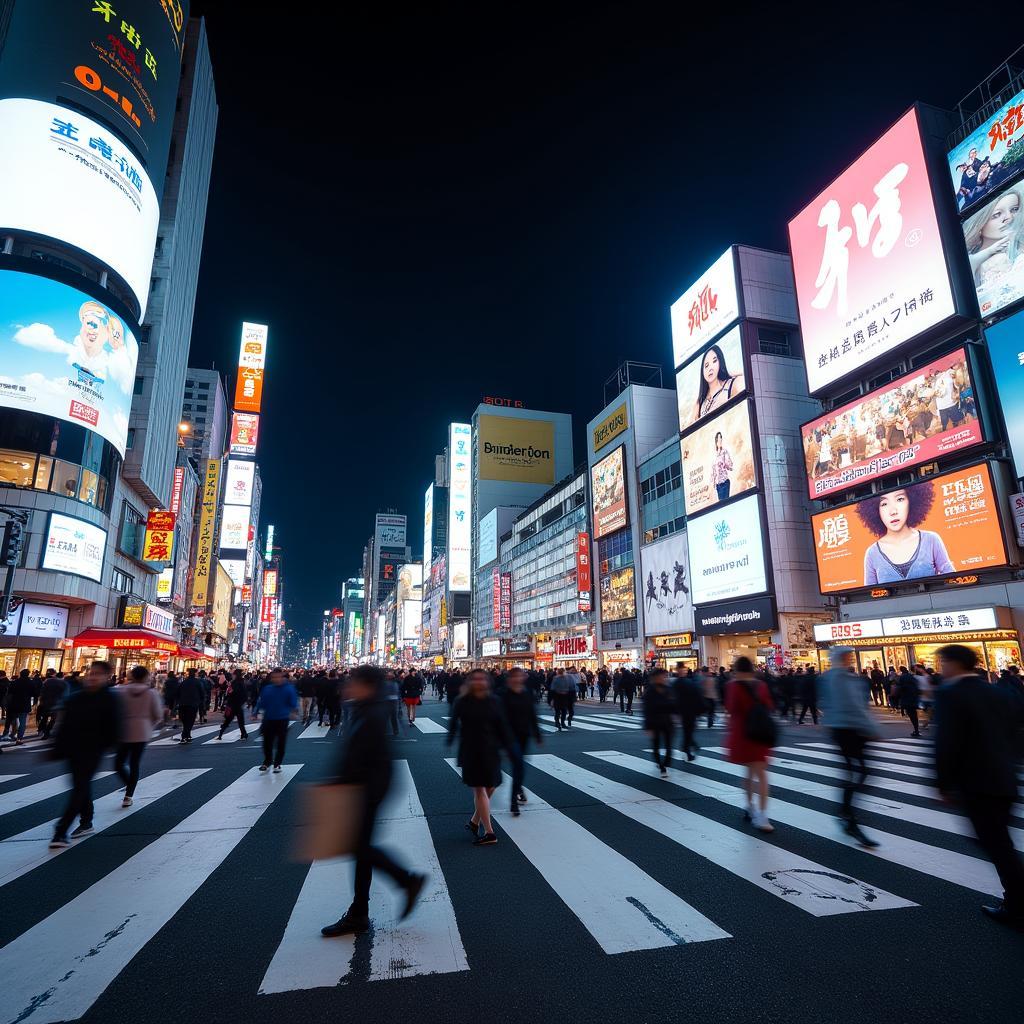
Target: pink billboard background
{"points": [[868, 259]]}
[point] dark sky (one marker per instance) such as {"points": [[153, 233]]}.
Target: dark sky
{"points": [[429, 207]]}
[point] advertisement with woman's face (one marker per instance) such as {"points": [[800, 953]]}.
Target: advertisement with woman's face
{"points": [[711, 379], [938, 527], [994, 237], [718, 459]]}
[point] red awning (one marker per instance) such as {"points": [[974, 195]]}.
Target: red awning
{"points": [[191, 654], [126, 640]]}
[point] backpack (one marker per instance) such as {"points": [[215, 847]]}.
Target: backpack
{"points": [[759, 726]]}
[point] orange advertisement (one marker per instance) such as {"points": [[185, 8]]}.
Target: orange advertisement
{"points": [[938, 527], [248, 389]]}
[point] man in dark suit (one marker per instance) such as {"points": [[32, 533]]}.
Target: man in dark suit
{"points": [[974, 730]]}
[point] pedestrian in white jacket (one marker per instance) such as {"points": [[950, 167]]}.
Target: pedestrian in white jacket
{"points": [[141, 712]]}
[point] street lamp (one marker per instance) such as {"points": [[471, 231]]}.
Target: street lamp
{"points": [[183, 429]]}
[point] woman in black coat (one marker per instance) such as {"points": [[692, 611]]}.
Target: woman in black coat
{"points": [[480, 722]]}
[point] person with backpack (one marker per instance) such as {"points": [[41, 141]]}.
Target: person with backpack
{"points": [[752, 734]]}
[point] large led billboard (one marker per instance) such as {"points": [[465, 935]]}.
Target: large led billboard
{"points": [[665, 587], [234, 527], [428, 529], [119, 62], [608, 488], [64, 354], [245, 432], [939, 527], [74, 546], [460, 507], [868, 259], [912, 421], [711, 379], [238, 482], [706, 308], [727, 552], [68, 178], [389, 531], [521, 450], [252, 362], [718, 459], [618, 595], [994, 237], [1006, 350], [991, 155]]}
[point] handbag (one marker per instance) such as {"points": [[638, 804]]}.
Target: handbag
{"points": [[332, 815], [759, 726]]}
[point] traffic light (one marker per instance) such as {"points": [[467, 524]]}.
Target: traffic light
{"points": [[10, 546]]}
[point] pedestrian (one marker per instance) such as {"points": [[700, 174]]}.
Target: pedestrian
{"points": [[324, 683], [88, 727], [689, 698], [190, 699], [974, 765], [170, 696], [809, 696], [234, 705], [140, 712], [51, 696], [909, 698], [278, 701], [307, 691], [365, 761], [521, 715], [845, 697], [751, 737], [411, 691], [479, 722], [19, 704], [659, 703], [627, 691], [560, 695]]}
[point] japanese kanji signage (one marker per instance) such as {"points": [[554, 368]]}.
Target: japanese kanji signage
{"points": [[584, 579], [202, 577], [118, 60], [705, 309], [176, 486], [868, 259], [970, 620], [506, 600], [159, 538]]}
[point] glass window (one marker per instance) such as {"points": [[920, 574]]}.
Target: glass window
{"points": [[138, 386], [130, 439], [16, 468], [204, 385], [87, 489], [121, 582], [65, 479], [45, 465]]}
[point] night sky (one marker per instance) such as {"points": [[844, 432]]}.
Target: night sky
{"points": [[429, 207]]}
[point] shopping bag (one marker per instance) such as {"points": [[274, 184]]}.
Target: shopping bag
{"points": [[332, 815]]}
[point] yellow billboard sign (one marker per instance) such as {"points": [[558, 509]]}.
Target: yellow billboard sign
{"points": [[203, 576], [611, 426], [520, 450]]}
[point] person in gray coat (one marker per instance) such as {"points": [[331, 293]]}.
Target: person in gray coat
{"points": [[844, 696], [141, 713]]}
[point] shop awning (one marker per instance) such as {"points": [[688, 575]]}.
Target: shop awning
{"points": [[126, 640], [191, 654]]}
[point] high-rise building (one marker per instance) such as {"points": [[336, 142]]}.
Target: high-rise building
{"points": [[205, 409]]}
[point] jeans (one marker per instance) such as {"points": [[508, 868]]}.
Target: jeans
{"points": [[723, 489], [369, 857], [851, 745], [83, 768], [132, 754], [625, 701], [951, 414], [306, 703], [662, 733], [188, 719], [560, 702], [393, 715], [229, 714], [45, 720], [275, 733], [20, 720]]}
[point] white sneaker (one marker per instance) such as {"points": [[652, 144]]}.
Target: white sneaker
{"points": [[277, 768], [126, 802], [761, 822]]}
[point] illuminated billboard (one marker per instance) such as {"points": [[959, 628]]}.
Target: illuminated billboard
{"points": [[706, 308], [939, 527], [202, 579], [74, 546], [912, 421], [460, 640], [235, 568], [270, 583], [64, 354], [618, 595], [428, 529], [727, 552], [1006, 350], [245, 432], [460, 507], [665, 587], [234, 527], [710, 380], [994, 237], [718, 459], [249, 390], [238, 482], [516, 449], [120, 62], [990, 156], [868, 259], [389, 531], [608, 487], [69, 178]]}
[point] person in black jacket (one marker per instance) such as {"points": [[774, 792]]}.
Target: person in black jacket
{"points": [[689, 697], [411, 692], [366, 761], [234, 705], [190, 700], [521, 715], [809, 697], [974, 725], [659, 703], [89, 726], [909, 698], [20, 697]]}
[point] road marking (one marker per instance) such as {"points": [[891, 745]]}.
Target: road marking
{"points": [[28, 795], [427, 942], [604, 718], [21, 853], [429, 725], [879, 750], [234, 735], [958, 868], [622, 907], [583, 726], [59, 968], [173, 741], [882, 766], [11, 778], [818, 890], [314, 732]]}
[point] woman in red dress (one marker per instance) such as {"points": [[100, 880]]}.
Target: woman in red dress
{"points": [[742, 693]]}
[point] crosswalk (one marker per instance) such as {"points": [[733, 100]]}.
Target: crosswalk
{"points": [[574, 846], [586, 721]]}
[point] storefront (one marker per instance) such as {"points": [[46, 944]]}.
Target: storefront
{"points": [[124, 648], [915, 639], [33, 638], [631, 657], [670, 651], [736, 629], [576, 650]]}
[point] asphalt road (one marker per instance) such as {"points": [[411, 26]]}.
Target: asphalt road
{"points": [[615, 896]]}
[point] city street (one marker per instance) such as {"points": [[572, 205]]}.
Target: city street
{"points": [[615, 896]]}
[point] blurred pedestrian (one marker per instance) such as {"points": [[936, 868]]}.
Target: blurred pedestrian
{"points": [[190, 700], [412, 695], [51, 697], [521, 715], [278, 700], [689, 698], [234, 705], [751, 737], [659, 704], [140, 712]]}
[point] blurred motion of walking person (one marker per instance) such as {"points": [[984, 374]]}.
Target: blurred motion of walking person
{"points": [[521, 715], [140, 714], [234, 705], [975, 724], [278, 699], [844, 700], [365, 761], [751, 737], [190, 699], [659, 703]]}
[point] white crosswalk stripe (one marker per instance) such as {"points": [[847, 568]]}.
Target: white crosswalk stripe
{"points": [[28, 795], [880, 750], [173, 741], [603, 720], [585, 726], [314, 732], [627, 910], [882, 766], [428, 725], [60, 967]]}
